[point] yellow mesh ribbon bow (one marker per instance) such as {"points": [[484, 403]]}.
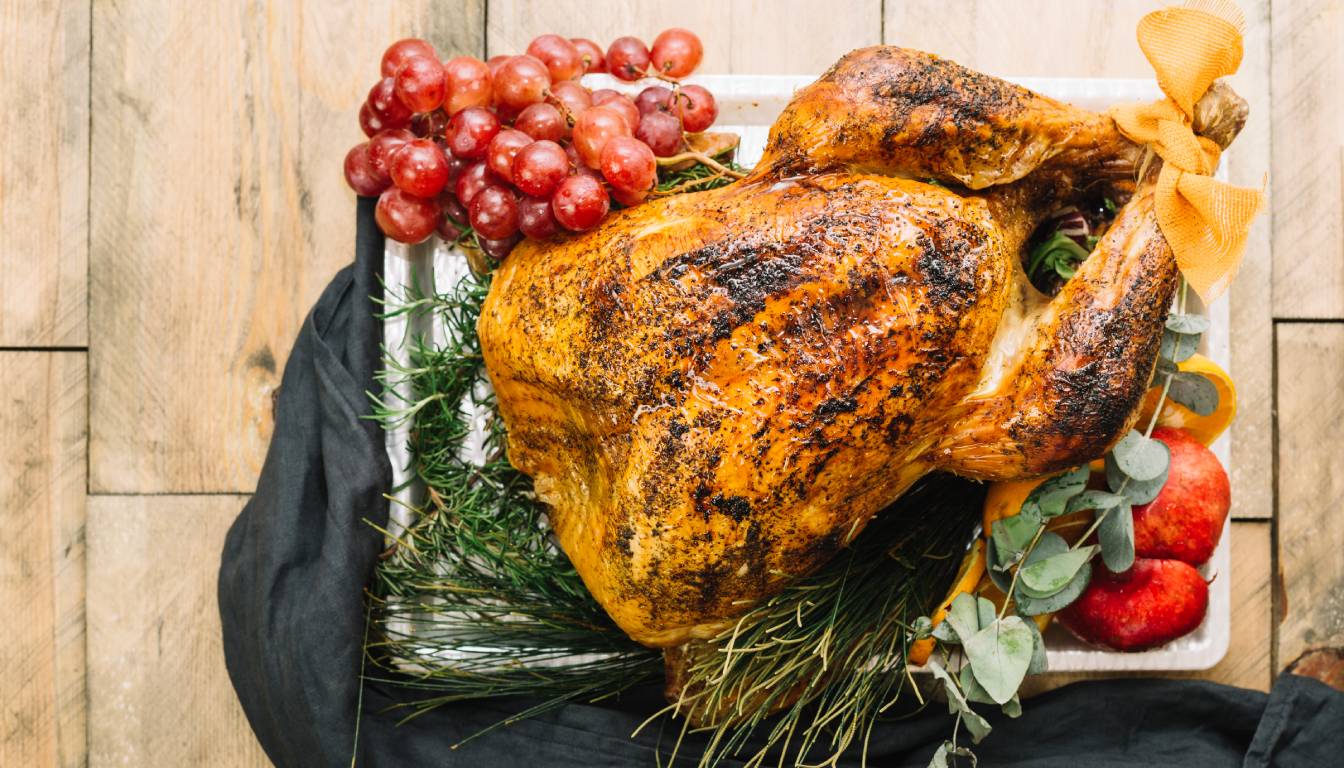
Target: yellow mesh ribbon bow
{"points": [[1204, 221]]}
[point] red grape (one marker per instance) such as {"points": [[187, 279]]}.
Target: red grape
{"points": [[503, 148], [498, 249], [539, 168], [476, 177], [661, 131], [384, 145], [627, 58], [369, 121], [592, 130], [626, 107], [676, 52], [535, 219], [454, 210], [406, 218], [360, 173], [591, 53], [422, 84], [573, 98], [629, 199], [520, 81], [452, 218], [430, 125], [697, 107], [468, 84], [494, 213], [470, 132], [580, 203], [402, 51], [541, 121], [496, 61], [561, 57], [383, 102], [603, 95], [653, 98], [572, 154], [628, 164], [419, 168]]}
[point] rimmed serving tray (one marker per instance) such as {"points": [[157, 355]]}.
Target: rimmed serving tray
{"points": [[748, 105]]}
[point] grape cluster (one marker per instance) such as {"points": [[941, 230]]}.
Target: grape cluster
{"points": [[516, 146]]}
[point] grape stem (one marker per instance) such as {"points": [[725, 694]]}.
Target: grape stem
{"points": [[701, 157]]}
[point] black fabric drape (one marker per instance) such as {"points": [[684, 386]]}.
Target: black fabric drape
{"points": [[298, 557]]}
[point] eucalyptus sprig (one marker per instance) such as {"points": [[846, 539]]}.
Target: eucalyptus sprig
{"points": [[1038, 571]]}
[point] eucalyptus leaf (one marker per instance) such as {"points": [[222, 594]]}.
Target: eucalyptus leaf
{"points": [[986, 610], [1013, 707], [964, 616], [1162, 369], [1039, 662], [944, 632], [998, 568], [1000, 653], [922, 627], [1035, 606], [974, 691], [1137, 491], [1141, 458], [957, 705], [1187, 324], [1050, 497], [1116, 535], [1052, 574], [1195, 391], [1012, 534], [940, 755], [1178, 347], [1098, 500]]}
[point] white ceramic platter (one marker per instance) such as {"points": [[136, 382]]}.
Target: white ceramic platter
{"points": [[747, 106]]}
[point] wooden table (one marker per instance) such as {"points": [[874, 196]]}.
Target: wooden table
{"points": [[171, 204]]}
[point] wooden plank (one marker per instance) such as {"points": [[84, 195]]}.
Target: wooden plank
{"points": [[790, 37], [44, 173], [1071, 39], [1247, 663], [42, 479], [221, 214], [1025, 38], [1308, 159], [1310, 602], [158, 690]]}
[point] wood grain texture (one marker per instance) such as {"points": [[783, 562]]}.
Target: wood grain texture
{"points": [[44, 173], [1311, 488], [1308, 158], [42, 442], [1062, 38], [1247, 663], [220, 215], [744, 36], [158, 690]]}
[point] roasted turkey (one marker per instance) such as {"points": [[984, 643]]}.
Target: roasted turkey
{"points": [[715, 392]]}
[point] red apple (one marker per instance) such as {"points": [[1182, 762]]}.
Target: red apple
{"points": [[1186, 519], [1152, 603]]}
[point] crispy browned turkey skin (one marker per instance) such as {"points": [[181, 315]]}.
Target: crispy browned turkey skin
{"points": [[714, 392]]}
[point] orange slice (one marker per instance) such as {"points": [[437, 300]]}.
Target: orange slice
{"points": [[1205, 429]]}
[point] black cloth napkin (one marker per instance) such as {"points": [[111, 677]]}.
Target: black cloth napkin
{"points": [[299, 555]]}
